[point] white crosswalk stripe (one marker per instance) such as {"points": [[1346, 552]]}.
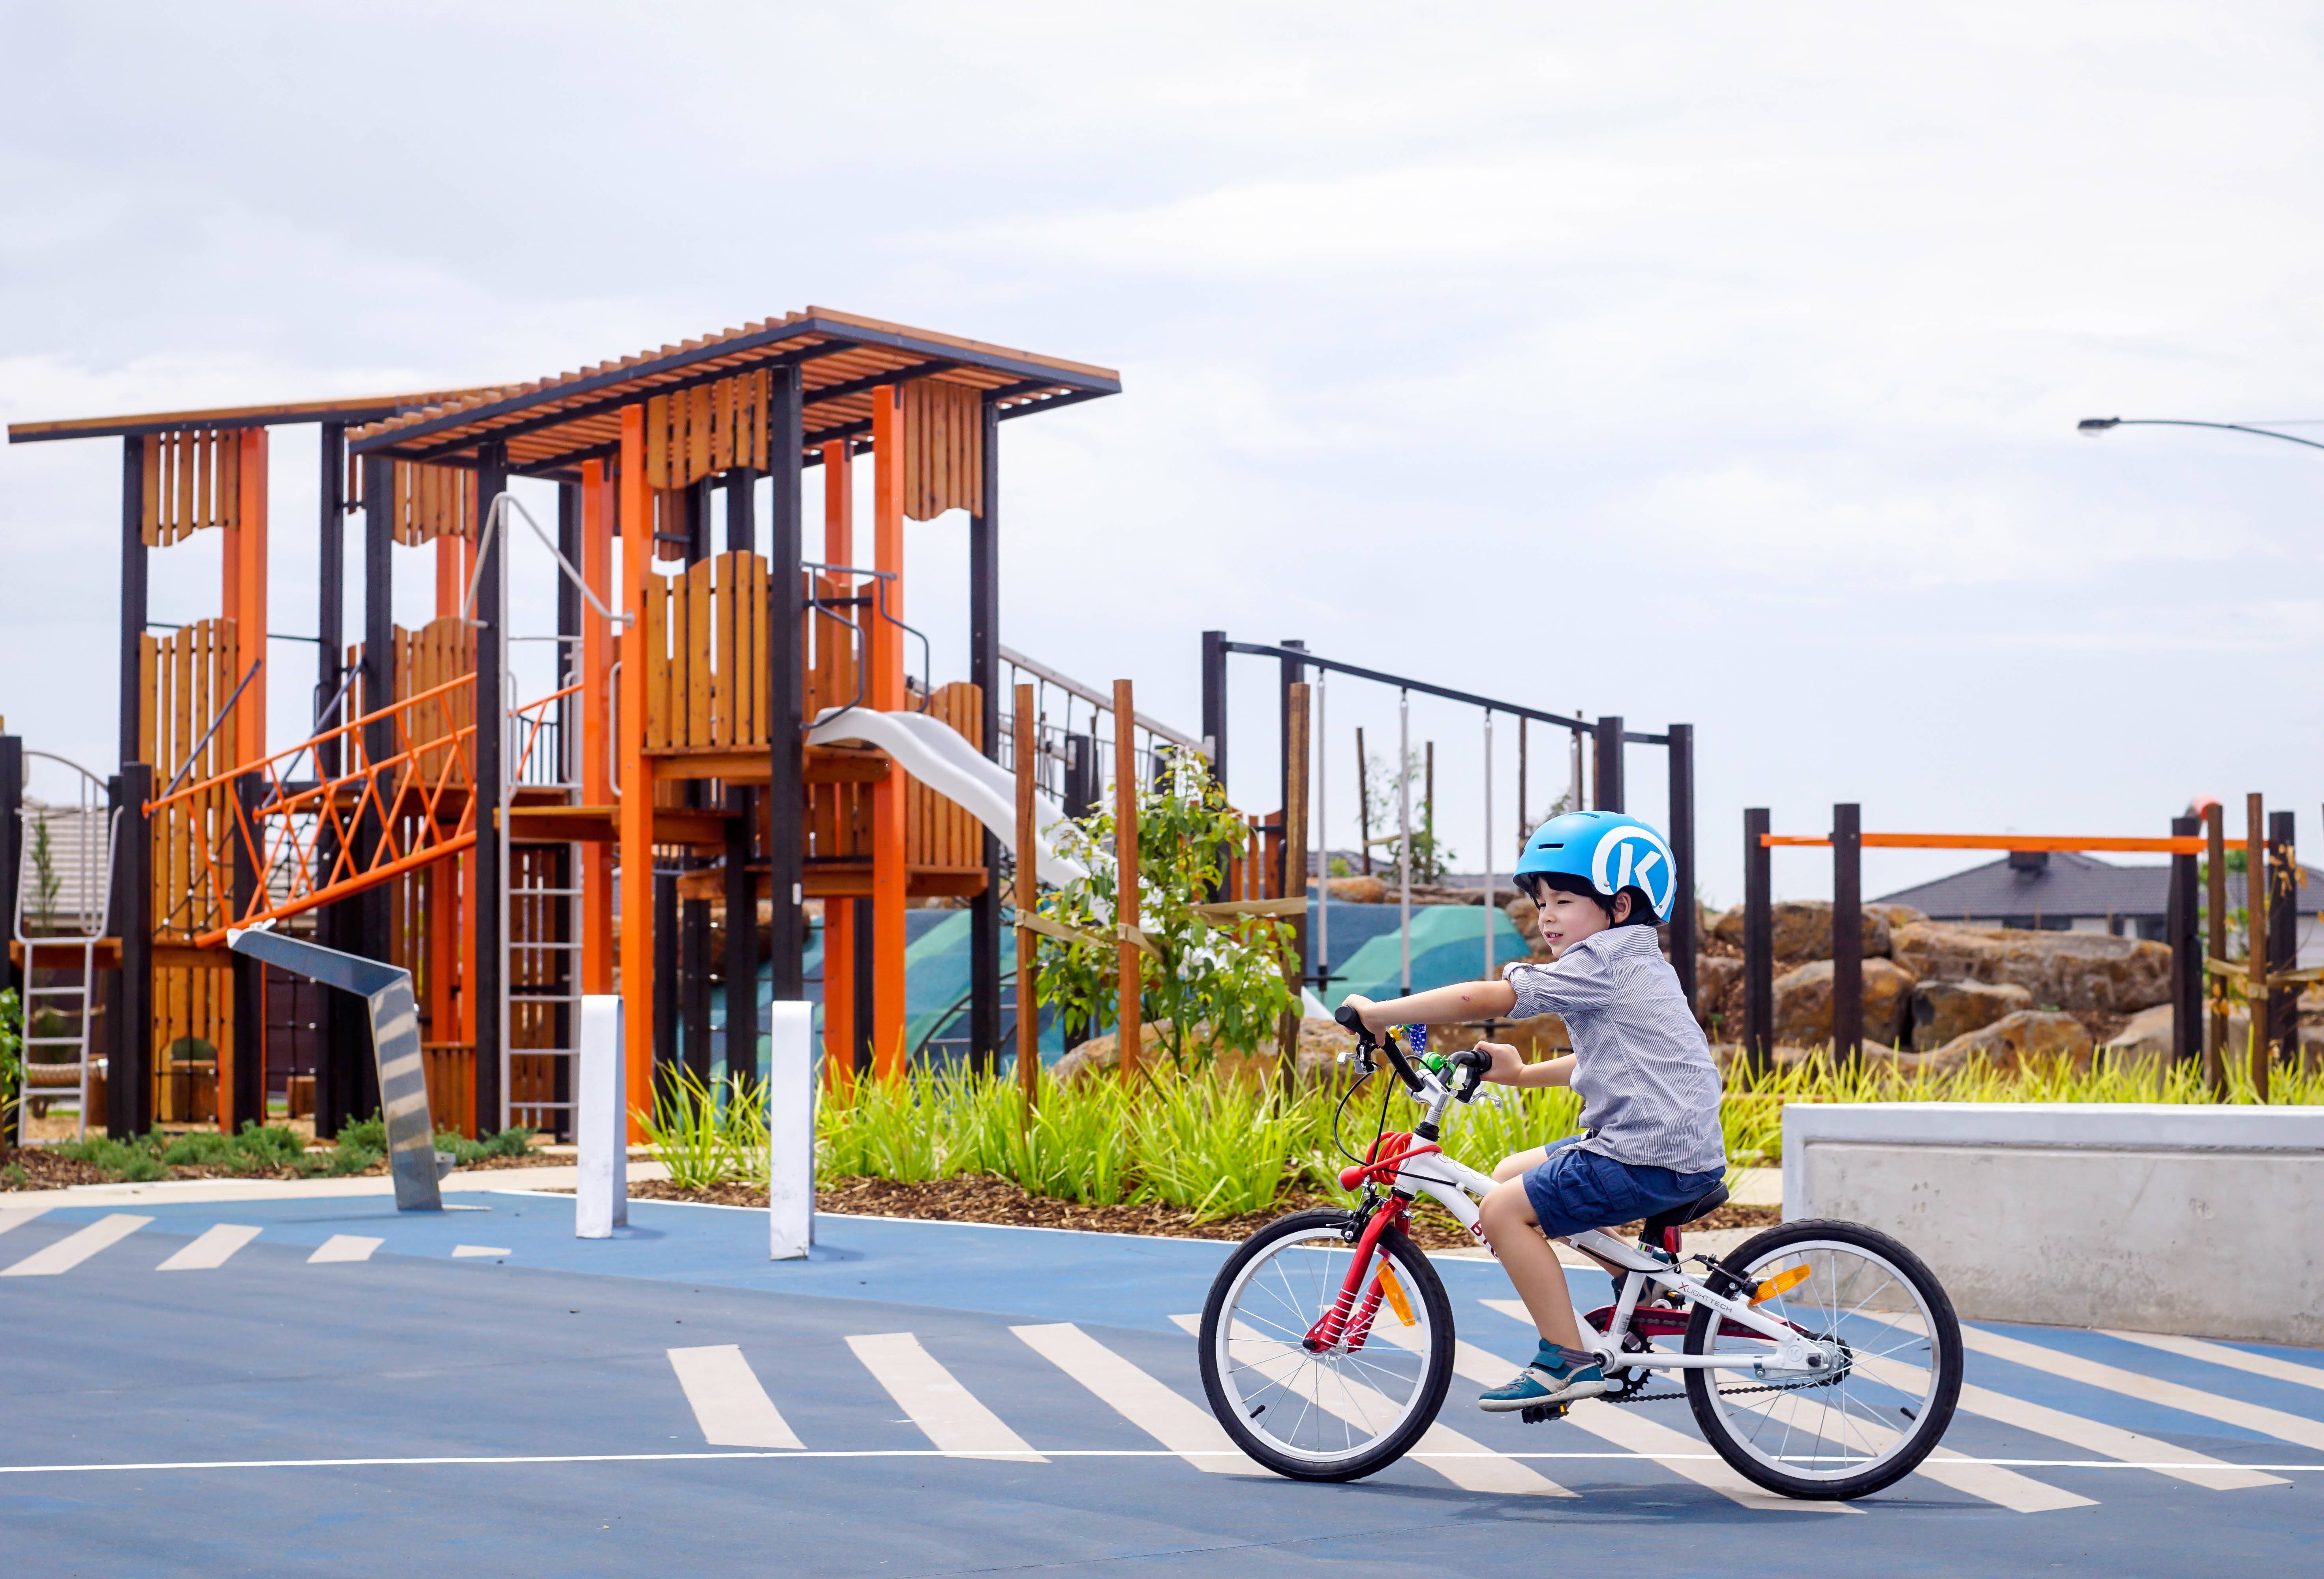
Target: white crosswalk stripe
{"points": [[75, 1247], [2017, 1492], [2195, 1348], [2225, 1411], [464, 1252], [345, 1247], [729, 1404], [1146, 1403], [17, 1216], [2090, 1436], [947, 1413], [209, 1249], [1464, 1461], [1625, 1428]]}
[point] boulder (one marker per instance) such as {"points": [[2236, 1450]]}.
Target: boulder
{"points": [[1718, 996], [1944, 1010], [2146, 1040], [1803, 1004], [1895, 915], [2063, 970], [2028, 1037], [1803, 930], [1526, 916], [1358, 890]]}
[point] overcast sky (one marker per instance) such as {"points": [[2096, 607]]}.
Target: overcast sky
{"points": [[1704, 363]]}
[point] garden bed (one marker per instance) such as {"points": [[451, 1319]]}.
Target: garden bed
{"points": [[254, 1154], [987, 1199]]}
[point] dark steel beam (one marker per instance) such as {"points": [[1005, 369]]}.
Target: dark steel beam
{"points": [[1847, 931], [2186, 951], [787, 696], [1607, 794], [491, 940], [984, 674], [331, 582], [1259, 650], [1758, 943], [1683, 916], [133, 602]]}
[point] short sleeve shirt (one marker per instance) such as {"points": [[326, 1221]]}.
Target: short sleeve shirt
{"points": [[1649, 1090]]}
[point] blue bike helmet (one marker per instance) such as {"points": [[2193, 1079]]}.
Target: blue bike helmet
{"points": [[1609, 852]]}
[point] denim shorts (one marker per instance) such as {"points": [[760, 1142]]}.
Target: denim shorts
{"points": [[1574, 1189]]}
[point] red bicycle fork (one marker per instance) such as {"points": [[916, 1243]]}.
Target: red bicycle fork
{"points": [[1348, 1319]]}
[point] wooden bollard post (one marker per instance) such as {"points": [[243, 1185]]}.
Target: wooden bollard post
{"points": [[1028, 888], [2255, 897], [1125, 856]]}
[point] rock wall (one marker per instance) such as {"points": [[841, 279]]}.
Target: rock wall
{"points": [[2062, 970]]}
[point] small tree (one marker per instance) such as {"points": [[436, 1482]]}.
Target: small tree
{"points": [[1381, 788], [1225, 974]]}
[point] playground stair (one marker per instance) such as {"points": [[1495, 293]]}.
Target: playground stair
{"points": [[38, 890]]}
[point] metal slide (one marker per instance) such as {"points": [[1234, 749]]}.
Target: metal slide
{"points": [[933, 752]]}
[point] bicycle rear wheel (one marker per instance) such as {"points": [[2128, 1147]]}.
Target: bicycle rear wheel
{"points": [[1338, 1411], [1891, 1350]]}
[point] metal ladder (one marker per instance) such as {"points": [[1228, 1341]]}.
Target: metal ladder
{"points": [[89, 874], [542, 911]]}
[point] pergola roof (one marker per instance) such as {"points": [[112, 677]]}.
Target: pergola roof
{"points": [[557, 421], [349, 408]]}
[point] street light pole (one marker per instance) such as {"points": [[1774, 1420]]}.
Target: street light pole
{"points": [[2101, 424]]}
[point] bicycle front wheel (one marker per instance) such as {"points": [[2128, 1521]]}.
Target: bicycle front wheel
{"points": [[1890, 1372], [1318, 1410]]}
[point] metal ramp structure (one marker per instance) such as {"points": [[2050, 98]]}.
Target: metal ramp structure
{"points": [[64, 889]]}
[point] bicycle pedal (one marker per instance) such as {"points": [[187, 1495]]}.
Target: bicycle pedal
{"points": [[1541, 1412]]}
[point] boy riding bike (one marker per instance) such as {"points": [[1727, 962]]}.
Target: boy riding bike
{"points": [[1649, 1090]]}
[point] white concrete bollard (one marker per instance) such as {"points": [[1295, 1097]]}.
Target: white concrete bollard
{"points": [[601, 1122], [790, 1131]]}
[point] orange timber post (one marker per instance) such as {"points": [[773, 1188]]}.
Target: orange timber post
{"points": [[637, 790], [840, 1035], [596, 725], [890, 878], [242, 598]]}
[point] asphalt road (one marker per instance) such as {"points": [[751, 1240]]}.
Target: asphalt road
{"points": [[322, 1386]]}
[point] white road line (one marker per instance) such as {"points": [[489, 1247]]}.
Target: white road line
{"points": [[1467, 1463], [345, 1247], [1151, 1405], [2226, 1411], [947, 1412], [460, 1251], [1623, 1426], [211, 1249], [729, 1404], [74, 1248], [2195, 1348], [17, 1216], [217, 1464], [2018, 1494]]}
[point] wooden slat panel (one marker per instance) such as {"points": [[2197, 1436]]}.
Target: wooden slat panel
{"points": [[696, 655]]}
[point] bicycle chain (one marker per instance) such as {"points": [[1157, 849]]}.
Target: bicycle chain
{"points": [[1728, 1392]]}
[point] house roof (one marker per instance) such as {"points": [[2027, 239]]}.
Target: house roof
{"points": [[2067, 883]]}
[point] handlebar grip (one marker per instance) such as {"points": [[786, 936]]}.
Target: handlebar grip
{"points": [[1351, 1017], [1473, 1058]]}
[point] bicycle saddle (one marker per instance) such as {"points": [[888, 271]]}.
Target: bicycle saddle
{"points": [[1702, 1206]]}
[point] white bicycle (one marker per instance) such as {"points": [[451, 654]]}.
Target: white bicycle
{"points": [[1822, 1359]]}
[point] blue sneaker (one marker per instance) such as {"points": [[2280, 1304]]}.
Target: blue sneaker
{"points": [[1542, 1384]]}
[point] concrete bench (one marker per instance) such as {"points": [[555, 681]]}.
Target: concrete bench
{"points": [[2150, 1217]]}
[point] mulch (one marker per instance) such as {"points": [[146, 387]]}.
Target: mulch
{"points": [[985, 1199]]}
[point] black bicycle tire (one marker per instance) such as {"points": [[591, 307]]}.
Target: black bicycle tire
{"points": [[1414, 1266], [1929, 1429]]}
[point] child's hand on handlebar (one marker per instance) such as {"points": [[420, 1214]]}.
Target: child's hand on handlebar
{"points": [[1363, 1005], [1506, 1063]]}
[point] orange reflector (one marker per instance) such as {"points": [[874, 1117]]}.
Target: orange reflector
{"points": [[1779, 1283], [1398, 1301]]}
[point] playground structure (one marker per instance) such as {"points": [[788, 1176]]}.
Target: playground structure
{"points": [[521, 818], [670, 739], [2201, 974]]}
